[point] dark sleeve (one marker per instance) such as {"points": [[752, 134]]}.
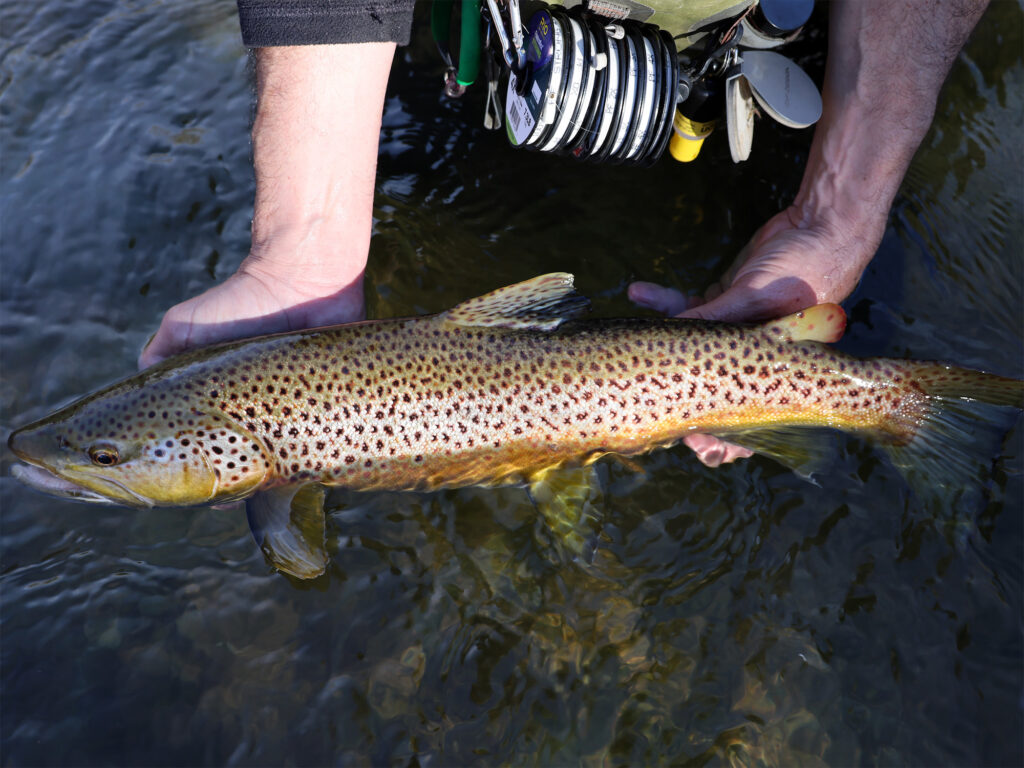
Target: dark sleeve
{"points": [[317, 22]]}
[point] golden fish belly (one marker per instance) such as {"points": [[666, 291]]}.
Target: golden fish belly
{"points": [[422, 403]]}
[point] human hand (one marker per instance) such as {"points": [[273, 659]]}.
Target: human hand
{"points": [[815, 251], [314, 138], [787, 266], [250, 303]]}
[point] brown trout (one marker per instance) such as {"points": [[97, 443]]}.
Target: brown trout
{"points": [[499, 389]]}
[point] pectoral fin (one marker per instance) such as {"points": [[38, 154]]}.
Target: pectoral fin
{"points": [[288, 525]]}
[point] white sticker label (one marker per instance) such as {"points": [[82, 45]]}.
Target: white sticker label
{"points": [[520, 121]]}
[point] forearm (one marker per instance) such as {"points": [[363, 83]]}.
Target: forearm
{"points": [[315, 140], [315, 137], [886, 64]]}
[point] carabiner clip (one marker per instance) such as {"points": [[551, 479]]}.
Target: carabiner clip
{"points": [[499, 26], [517, 33]]}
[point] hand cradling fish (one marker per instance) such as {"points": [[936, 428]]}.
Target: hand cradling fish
{"points": [[503, 388]]}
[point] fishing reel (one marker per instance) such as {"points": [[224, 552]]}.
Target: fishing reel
{"points": [[598, 81]]}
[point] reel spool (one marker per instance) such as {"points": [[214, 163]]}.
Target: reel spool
{"points": [[593, 90], [620, 91]]}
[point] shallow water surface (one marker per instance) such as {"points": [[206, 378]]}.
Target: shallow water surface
{"points": [[738, 615]]}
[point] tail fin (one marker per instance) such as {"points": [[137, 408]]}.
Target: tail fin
{"points": [[958, 432], [951, 383]]}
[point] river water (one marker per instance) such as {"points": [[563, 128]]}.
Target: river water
{"points": [[738, 615]]}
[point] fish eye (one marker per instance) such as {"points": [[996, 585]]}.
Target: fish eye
{"points": [[103, 455]]}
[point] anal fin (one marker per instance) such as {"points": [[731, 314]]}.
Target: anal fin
{"points": [[805, 450], [288, 525]]}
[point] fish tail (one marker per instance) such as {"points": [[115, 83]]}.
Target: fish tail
{"points": [[950, 434], [947, 382]]}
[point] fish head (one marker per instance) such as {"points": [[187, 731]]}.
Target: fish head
{"points": [[132, 449]]}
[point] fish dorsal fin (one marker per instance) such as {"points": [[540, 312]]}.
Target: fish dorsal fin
{"points": [[540, 304], [823, 322], [288, 525]]}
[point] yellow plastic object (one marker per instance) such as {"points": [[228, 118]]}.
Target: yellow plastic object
{"points": [[688, 137]]}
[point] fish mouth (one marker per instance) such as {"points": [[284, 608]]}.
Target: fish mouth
{"points": [[44, 480]]}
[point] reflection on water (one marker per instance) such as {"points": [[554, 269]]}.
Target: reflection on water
{"points": [[737, 615]]}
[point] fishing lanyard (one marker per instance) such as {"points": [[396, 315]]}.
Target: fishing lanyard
{"points": [[464, 71]]}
